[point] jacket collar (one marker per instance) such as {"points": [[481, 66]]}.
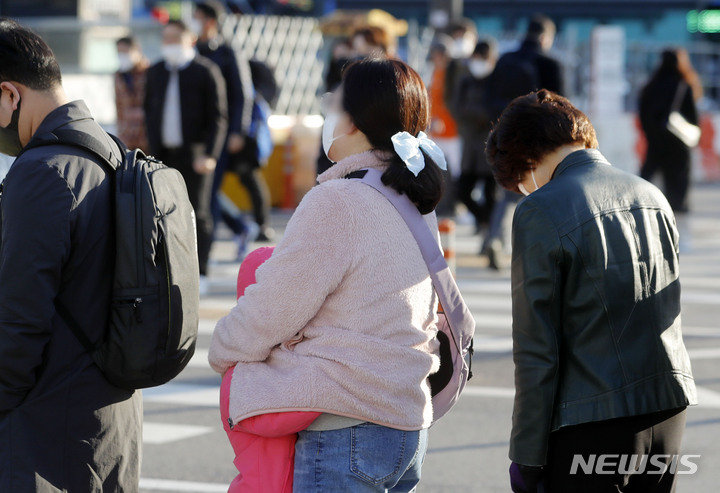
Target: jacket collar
{"points": [[577, 158], [62, 115], [367, 159]]}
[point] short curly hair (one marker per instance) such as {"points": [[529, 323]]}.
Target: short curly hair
{"points": [[530, 128]]}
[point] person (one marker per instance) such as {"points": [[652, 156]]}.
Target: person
{"points": [[264, 445], [600, 364], [474, 123], [463, 38], [186, 116], [371, 41], [350, 337], [240, 95], [443, 127], [365, 41], [130, 93], [674, 86], [517, 73], [63, 426], [340, 54]]}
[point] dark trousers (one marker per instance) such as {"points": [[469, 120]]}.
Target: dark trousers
{"points": [[648, 434], [254, 183], [233, 221], [675, 169], [465, 186], [199, 189]]}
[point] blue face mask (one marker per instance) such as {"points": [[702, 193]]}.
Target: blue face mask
{"points": [[522, 188]]}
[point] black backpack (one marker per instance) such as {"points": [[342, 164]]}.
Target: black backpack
{"points": [[153, 323], [263, 79]]}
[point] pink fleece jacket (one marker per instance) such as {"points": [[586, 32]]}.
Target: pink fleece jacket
{"points": [[342, 318]]}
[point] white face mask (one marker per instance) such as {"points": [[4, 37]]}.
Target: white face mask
{"points": [[479, 68], [522, 188], [462, 47], [196, 26], [125, 62], [176, 55], [327, 133]]}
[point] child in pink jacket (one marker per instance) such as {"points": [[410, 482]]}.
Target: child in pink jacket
{"points": [[264, 445]]}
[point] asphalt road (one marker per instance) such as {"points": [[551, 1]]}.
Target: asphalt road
{"points": [[186, 449]]}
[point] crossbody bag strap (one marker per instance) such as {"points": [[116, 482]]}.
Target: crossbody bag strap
{"points": [[458, 314], [679, 95]]}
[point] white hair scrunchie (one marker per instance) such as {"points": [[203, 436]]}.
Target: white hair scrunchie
{"points": [[408, 148]]}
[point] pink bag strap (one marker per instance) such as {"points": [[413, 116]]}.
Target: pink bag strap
{"points": [[458, 314]]}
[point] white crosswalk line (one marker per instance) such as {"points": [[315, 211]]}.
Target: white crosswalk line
{"points": [[184, 393], [199, 359], [700, 298], [169, 485], [206, 326], [490, 321], [159, 433], [707, 398], [492, 344], [704, 353]]}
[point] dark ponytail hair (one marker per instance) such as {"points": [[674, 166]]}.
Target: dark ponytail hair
{"points": [[384, 97]]}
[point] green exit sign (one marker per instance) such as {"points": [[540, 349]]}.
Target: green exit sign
{"points": [[703, 21]]}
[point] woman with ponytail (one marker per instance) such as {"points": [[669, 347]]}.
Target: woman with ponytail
{"points": [[342, 318]]}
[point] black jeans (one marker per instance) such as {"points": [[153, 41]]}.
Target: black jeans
{"points": [[644, 435], [199, 191], [247, 167], [675, 169], [465, 186]]}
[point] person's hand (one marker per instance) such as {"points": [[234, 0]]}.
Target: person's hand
{"points": [[204, 165], [526, 479], [235, 143]]}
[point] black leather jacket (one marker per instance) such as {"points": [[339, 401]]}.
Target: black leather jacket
{"points": [[596, 304]]}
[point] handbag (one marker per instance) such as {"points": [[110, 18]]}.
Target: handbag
{"points": [[456, 326], [688, 133]]}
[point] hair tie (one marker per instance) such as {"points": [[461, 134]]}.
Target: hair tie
{"points": [[408, 148]]}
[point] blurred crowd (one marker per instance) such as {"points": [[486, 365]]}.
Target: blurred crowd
{"points": [[469, 85], [203, 109]]}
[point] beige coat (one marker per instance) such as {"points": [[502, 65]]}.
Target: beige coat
{"points": [[342, 318]]}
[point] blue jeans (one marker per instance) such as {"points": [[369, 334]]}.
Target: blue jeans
{"points": [[363, 458]]}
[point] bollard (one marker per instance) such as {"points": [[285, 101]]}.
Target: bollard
{"points": [[288, 170], [447, 240]]}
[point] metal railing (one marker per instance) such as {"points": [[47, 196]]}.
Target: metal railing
{"points": [[292, 47]]}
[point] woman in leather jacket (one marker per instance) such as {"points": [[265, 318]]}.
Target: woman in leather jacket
{"points": [[600, 364]]}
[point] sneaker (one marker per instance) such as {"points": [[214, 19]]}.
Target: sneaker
{"points": [[266, 234], [243, 240], [494, 251]]}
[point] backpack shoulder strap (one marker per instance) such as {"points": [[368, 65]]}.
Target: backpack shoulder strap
{"points": [[458, 314], [75, 138], [107, 160]]}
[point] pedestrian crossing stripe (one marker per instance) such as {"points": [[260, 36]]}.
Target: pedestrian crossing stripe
{"points": [[160, 433], [169, 485]]}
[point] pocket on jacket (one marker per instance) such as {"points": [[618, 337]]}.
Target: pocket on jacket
{"points": [[377, 453]]}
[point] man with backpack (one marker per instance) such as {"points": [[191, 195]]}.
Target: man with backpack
{"points": [[63, 425], [518, 73]]}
